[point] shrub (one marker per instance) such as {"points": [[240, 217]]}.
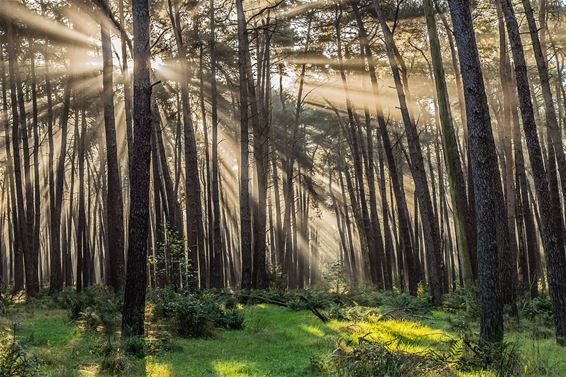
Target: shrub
{"points": [[463, 300], [134, 346], [97, 296], [407, 303], [334, 277], [539, 309], [369, 358], [194, 315], [14, 359], [5, 300], [232, 319], [115, 362], [230, 301], [368, 296], [502, 358], [277, 279], [162, 341], [312, 299], [189, 315], [104, 314], [171, 251]]}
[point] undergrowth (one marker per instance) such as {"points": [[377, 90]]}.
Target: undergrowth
{"points": [[171, 313], [15, 360]]}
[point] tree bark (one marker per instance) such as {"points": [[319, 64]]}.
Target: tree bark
{"points": [[483, 167], [133, 312]]}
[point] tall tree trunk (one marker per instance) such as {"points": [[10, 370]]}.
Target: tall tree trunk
{"points": [[36, 180], [195, 231], [55, 280], [554, 130], [54, 224], [370, 246], [70, 219], [260, 144], [114, 202], [173, 209], [406, 248], [507, 259], [21, 213], [483, 167], [382, 266], [30, 253], [245, 218], [17, 274], [216, 235], [450, 147], [552, 234], [431, 235], [127, 83], [133, 311], [80, 235]]}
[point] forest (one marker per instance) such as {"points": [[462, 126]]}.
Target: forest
{"points": [[282, 188]]}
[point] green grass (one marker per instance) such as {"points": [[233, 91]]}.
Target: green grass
{"points": [[274, 342], [59, 345]]}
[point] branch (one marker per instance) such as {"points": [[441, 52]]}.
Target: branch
{"points": [[103, 5], [265, 9]]}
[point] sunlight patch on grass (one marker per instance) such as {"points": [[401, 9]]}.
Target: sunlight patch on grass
{"points": [[407, 336], [89, 370], [153, 368], [316, 331], [234, 368]]}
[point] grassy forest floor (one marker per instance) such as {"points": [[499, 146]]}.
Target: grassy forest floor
{"points": [[392, 340]]}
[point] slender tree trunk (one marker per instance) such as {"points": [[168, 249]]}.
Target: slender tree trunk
{"points": [[406, 249], [36, 179], [115, 219], [17, 265], [80, 235], [195, 231], [67, 227], [260, 145], [383, 262], [21, 213], [370, 247], [431, 235], [55, 279], [127, 84], [30, 253], [217, 239], [507, 259], [245, 218], [552, 234], [450, 146]]}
